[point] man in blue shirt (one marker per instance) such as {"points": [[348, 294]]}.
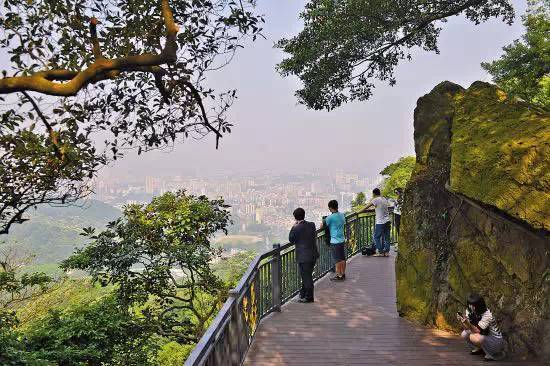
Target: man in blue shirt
{"points": [[336, 222]]}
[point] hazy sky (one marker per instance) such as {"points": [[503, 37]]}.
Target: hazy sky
{"points": [[273, 132]]}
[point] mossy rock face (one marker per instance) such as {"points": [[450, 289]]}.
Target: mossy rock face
{"points": [[450, 247], [501, 154], [423, 247]]}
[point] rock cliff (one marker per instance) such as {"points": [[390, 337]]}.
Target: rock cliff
{"points": [[476, 214]]}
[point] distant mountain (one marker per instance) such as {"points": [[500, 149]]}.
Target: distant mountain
{"points": [[52, 233]]}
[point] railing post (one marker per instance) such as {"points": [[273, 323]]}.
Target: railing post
{"points": [[235, 329], [276, 279]]}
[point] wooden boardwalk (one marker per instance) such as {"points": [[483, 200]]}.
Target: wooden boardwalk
{"points": [[354, 323]]}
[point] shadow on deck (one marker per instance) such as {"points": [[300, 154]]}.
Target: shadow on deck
{"points": [[354, 323]]}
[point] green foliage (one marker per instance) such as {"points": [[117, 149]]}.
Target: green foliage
{"points": [[12, 350], [397, 175], [55, 231], [40, 170], [359, 200], [347, 44], [140, 252], [100, 332], [232, 269], [62, 295], [524, 68], [117, 75], [16, 288], [173, 354]]}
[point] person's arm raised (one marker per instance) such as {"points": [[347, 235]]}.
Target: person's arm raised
{"points": [[367, 208]]}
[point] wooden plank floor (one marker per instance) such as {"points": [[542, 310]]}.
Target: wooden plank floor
{"points": [[354, 323]]}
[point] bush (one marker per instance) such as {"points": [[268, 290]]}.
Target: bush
{"points": [[101, 332]]}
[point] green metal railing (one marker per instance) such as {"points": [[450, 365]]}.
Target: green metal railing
{"points": [[271, 280]]}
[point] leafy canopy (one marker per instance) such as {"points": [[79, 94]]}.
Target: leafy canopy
{"points": [[96, 333], [347, 44], [397, 175], [524, 68], [158, 257], [16, 288], [359, 200], [131, 74]]}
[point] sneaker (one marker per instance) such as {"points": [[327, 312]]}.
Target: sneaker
{"points": [[378, 255], [344, 276], [338, 278], [477, 351], [305, 301]]}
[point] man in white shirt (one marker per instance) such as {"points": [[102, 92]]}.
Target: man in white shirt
{"points": [[397, 204], [383, 223]]}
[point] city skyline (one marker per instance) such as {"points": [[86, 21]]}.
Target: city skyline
{"points": [[260, 204]]}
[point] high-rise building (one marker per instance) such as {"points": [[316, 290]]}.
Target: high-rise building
{"points": [[259, 215], [154, 185]]}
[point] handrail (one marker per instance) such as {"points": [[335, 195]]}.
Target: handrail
{"points": [[271, 280]]}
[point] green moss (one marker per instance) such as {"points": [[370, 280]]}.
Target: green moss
{"points": [[494, 150], [414, 268], [500, 152], [432, 135], [413, 285]]}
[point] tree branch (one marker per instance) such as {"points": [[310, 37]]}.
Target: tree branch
{"points": [[95, 42], [51, 132], [196, 95], [44, 82], [424, 23]]}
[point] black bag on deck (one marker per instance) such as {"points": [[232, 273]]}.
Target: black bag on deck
{"points": [[368, 250]]}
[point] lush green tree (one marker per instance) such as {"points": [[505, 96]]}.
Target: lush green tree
{"points": [[12, 349], [15, 289], [232, 269], [173, 354], [158, 256], [359, 200], [524, 68], [130, 74], [396, 175], [103, 332], [16, 286], [347, 44]]}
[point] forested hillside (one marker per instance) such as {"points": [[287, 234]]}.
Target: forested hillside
{"points": [[52, 233]]}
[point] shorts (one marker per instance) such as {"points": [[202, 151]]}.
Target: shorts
{"points": [[338, 252], [490, 344]]}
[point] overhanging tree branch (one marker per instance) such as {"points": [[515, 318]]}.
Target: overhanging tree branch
{"points": [[198, 99], [45, 82], [53, 135], [340, 36]]}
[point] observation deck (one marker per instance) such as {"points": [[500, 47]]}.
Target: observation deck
{"points": [[354, 322]]}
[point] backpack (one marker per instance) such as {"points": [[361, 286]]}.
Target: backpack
{"points": [[327, 231]]}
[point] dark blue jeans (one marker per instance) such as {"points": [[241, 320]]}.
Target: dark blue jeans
{"points": [[382, 237]]}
